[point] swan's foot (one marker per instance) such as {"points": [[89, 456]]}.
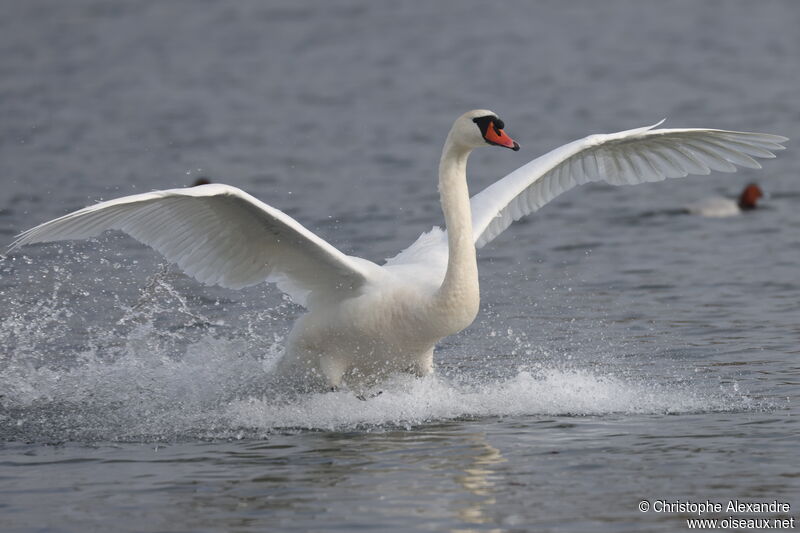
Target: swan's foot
{"points": [[365, 398]]}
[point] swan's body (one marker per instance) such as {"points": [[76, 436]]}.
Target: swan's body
{"points": [[721, 207], [365, 321]]}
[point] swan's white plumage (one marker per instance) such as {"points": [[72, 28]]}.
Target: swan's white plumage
{"points": [[367, 320], [624, 158], [219, 235]]}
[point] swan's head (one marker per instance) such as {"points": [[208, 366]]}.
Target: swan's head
{"points": [[481, 127], [750, 196]]}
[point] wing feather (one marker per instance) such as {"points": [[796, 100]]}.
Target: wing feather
{"points": [[623, 158], [220, 235]]}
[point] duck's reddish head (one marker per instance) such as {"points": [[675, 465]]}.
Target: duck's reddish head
{"points": [[749, 197]]}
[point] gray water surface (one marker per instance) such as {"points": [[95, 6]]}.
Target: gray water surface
{"points": [[624, 350]]}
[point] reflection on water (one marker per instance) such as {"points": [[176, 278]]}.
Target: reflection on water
{"points": [[477, 480], [434, 476]]}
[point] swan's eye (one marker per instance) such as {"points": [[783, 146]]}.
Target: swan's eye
{"points": [[484, 123]]}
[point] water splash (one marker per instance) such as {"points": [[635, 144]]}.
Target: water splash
{"points": [[408, 402], [161, 369], [220, 389]]}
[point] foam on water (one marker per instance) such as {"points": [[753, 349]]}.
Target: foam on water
{"points": [[220, 389], [407, 402]]}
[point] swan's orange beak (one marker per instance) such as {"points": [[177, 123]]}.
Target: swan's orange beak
{"points": [[495, 135]]}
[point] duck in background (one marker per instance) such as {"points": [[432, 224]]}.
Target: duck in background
{"points": [[719, 207]]}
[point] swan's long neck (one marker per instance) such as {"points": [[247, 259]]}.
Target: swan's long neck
{"points": [[457, 300]]}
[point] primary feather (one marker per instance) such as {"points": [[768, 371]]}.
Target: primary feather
{"points": [[219, 235], [624, 158]]}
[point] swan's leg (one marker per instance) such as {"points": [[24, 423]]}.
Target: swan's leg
{"points": [[333, 369], [423, 365]]}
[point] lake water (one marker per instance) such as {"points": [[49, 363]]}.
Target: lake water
{"points": [[624, 351]]}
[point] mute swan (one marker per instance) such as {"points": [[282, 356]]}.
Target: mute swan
{"points": [[719, 207], [365, 321]]}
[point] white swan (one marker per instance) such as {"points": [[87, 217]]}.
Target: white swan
{"points": [[365, 321]]}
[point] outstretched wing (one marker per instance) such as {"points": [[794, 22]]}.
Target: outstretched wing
{"points": [[623, 158], [218, 234]]}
